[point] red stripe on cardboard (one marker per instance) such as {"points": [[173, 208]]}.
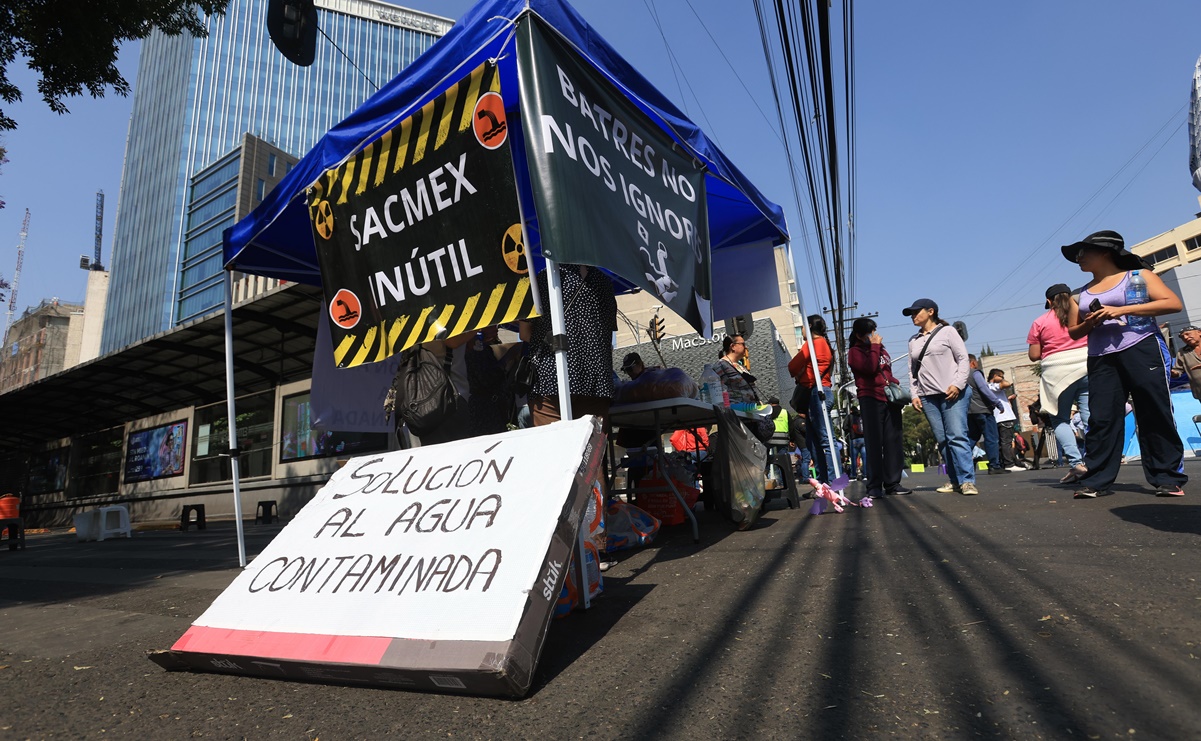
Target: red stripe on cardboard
{"points": [[296, 646]]}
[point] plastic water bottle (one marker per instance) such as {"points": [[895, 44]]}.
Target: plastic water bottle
{"points": [[710, 384], [1136, 293]]}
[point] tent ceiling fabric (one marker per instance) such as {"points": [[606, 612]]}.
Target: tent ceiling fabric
{"points": [[276, 240], [273, 344]]}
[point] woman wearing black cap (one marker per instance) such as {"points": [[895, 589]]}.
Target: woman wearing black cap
{"points": [[1126, 357], [1064, 378], [938, 372]]}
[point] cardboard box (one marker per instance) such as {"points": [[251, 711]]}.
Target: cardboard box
{"points": [[383, 580]]}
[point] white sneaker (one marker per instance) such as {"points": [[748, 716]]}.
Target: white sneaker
{"points": [[1015, 468], [948, 488]]}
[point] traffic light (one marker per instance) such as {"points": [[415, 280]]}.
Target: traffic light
{"points": [[292, 25], [743, 324], [657, 328]]}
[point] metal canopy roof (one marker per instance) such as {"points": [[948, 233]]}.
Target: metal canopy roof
{"points": [[273, 335]]}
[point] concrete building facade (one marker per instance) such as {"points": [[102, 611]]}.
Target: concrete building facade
{"points": [[45, 340]]}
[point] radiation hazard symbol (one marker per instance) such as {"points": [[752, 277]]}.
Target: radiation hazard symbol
{"points": [[323, 219], [489, 121], [345, 309], [513, 248]]}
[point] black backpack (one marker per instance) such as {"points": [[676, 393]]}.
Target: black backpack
{"points": [[422, 394], [798, 429]]}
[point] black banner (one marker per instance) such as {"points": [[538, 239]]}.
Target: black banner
{"points": [[419, 234], [610, 187]]}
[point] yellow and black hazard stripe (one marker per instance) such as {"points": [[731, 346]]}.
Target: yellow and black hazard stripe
{"points": [[505, 303], [425, 131]]}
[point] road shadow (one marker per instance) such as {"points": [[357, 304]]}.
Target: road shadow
{"points": [[704, 668], [1170, 518], [57, 568], [568, 639]]}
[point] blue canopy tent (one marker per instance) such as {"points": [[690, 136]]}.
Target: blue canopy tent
{"points": [[276, 239], [1184, 409]]}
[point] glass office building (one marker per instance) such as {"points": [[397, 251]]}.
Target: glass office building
{"points": [[193, 101], [217, 197]]}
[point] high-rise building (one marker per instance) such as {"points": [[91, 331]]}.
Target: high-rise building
{"points": [[193, 101], [217, 197]]}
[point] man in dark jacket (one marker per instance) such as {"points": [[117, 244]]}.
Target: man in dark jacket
{"points": [[798, 427], [980, 419]]}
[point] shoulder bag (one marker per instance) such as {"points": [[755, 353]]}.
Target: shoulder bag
{"points": [[915, 366], [896, 394]]}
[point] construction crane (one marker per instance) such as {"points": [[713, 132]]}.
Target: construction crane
{"points": [[12, 294], [94, 262], [99, 229]]}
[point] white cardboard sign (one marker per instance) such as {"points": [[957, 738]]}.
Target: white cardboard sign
{"points": [[435, 569], [439, 543]]}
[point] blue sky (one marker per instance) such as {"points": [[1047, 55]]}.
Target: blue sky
{"points": [[986, 137]]}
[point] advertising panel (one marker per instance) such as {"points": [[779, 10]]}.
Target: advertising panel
{"points": [[156, 453]]}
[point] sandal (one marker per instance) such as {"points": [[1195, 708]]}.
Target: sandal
{"points": [[1078, 472]]}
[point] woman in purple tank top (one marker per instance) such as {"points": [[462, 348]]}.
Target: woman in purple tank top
{"points": [[1127, 356]]}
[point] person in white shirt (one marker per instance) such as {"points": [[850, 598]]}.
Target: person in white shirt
{"points": [[1005, 417]]}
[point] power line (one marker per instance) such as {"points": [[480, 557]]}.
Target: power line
{"points": [[676, 63], [735, 71], [1022, 263], [670, 57]]}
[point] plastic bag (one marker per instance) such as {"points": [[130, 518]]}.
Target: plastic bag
{"points": [[627, 526], [569, 597], [743, 460], [654, 384], [594, 542]]}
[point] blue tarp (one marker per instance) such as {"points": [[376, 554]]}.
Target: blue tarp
{"points": [[1184, 408], [276, 240]]}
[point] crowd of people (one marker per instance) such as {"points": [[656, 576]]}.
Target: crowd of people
{"points": [[1101, 355], [1099, 348]]}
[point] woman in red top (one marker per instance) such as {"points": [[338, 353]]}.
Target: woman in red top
{"points": [[809, 398], [872, 367]]}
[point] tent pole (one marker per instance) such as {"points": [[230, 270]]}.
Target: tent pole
{"points": [[816, 375], [558, 328], [233, 426]]}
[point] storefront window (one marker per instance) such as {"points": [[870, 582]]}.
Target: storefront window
{"points": [[299, 440], [210, 439], [12, 475], [96, 463], [48, 471]]}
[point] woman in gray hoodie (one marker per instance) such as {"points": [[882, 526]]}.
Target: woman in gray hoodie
{"points": [[938, 371]]}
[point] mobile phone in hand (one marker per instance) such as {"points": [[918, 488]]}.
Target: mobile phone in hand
{"points": [[1096, 306]]}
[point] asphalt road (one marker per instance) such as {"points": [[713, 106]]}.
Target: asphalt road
{"points": [[1018, 614]]}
